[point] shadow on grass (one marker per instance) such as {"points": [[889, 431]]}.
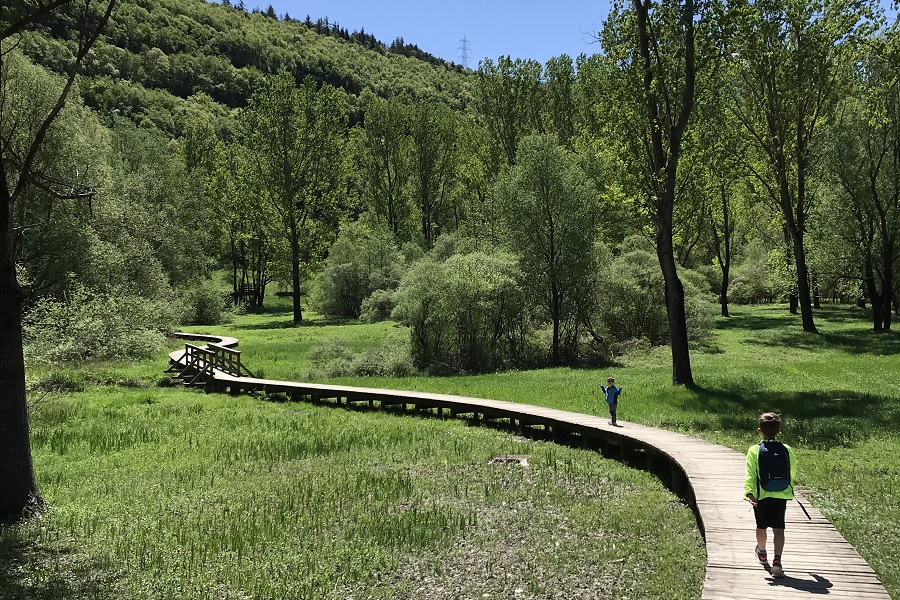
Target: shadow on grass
{"points": [[811, 419], [778, 328], [851, 341], [276, 309], [758, 322], [34, 572], [287, 323]]}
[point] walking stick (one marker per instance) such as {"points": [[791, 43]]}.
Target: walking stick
{"points": [[804, 510]]}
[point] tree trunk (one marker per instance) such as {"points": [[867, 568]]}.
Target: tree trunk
{"points": [[806, 315], [678, 337], [817, 297], [554, 309], [726, 240], [295, 274], [872, 291], [803, 295], [18, 490], [723, 295], [887, 285]]}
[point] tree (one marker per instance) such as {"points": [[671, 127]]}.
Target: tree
{"points": [[549, 209], [433, 161], [295, 138], [467, 313], [51, 239], [652, 63], [789, 59], [479, 163], [508, 98], [382, 155], [719, 166], [239, 212], [364, 259], [20, 171], [865, 161], [559, 108]]}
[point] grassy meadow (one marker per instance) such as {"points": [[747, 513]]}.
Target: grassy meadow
{"points": [[838, 392], [160, 492]]}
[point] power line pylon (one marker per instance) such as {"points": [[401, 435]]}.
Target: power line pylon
{"points": [[464, 52]]}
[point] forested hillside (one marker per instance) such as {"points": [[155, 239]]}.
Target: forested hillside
{"points": [[159, 57]]}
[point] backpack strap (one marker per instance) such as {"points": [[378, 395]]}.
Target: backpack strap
{"points": [[758, 483]]}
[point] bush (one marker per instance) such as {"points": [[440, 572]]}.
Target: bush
{"points": [[335, 358], [632, 305], [377, 307], [97, 325], [364, 258], [755, 280], [465, 314], [204, 306]]}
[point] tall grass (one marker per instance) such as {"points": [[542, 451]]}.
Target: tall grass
{"points": [[217, 497], [838, 391], [167, 493]]}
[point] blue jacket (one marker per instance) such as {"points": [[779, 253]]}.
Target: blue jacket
{"points": [[612, 393]]}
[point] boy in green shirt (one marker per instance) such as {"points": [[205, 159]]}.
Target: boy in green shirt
{"points": [[768, 485]]}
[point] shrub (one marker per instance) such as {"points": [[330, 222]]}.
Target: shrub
{"points": [[335, 358], [364, 258], [90, 324], [632, 303], [755, 280], [377, 307], [204, 306], [467, 313]]}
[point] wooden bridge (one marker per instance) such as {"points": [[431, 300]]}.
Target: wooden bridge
{"points": [[710, 478]]}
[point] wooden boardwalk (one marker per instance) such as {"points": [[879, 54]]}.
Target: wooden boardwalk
{"points": [[817, 559]]}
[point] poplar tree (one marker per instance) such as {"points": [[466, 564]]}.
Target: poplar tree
{"points": [[294, 137], [651, 69], [790, 59]]}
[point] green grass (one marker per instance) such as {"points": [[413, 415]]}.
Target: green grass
{"points": [[838, 391], [160, 492]]}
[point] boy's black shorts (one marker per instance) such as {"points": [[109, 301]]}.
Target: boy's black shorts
{"points": [[769, 512]]}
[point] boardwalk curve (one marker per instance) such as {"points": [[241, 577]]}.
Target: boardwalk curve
{"points": [[818, 560]]}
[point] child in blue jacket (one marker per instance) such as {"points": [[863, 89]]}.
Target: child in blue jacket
{"points": [[612, 397]]}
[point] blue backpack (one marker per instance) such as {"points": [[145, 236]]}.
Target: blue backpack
{"points": [[774, 473]]}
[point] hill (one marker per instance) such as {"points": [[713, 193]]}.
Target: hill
{"points": [[158, 55]]}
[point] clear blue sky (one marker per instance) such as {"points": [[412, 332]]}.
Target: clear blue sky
{"points": [[537, 29]]}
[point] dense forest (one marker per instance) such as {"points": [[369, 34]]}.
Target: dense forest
{"points": [[512, 216]]}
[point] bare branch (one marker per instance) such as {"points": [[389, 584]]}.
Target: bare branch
{"points": [[83, 49]]}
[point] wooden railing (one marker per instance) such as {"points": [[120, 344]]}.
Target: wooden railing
{"points": [[228, 360], [198, 363]]}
